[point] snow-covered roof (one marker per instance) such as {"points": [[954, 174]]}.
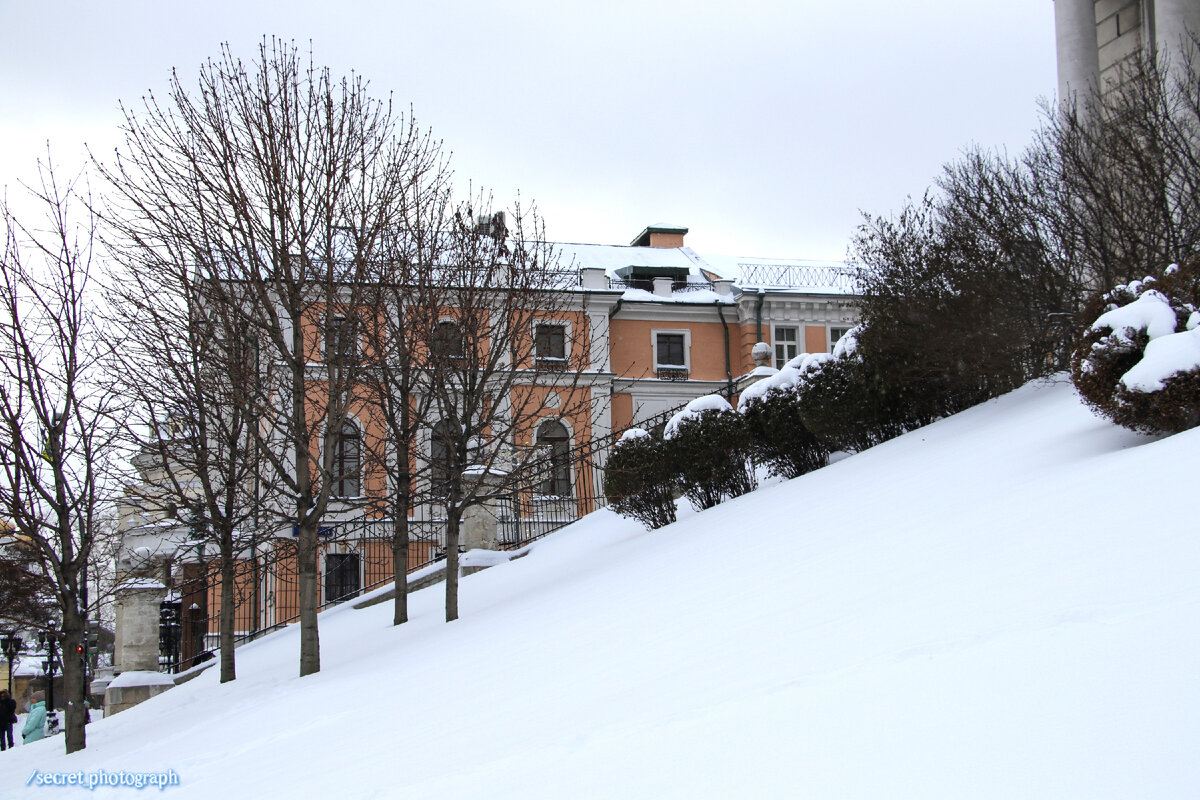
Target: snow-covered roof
{"points": [[613, 257], [776, 274]]}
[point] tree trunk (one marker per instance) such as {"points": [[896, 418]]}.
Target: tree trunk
{"points": [[452, 524], [310, 643], [73, 676], [227, 606], [400, 559]]}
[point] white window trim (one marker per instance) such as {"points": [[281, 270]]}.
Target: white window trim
{"points": [[570, 446], [567, 333], [457, 324], [796, 343], [687, 348], [335, 550], [829, 335], [362, 446], [345, 318]]}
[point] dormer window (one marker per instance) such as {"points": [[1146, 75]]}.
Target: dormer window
{"points": [[638, 277]]}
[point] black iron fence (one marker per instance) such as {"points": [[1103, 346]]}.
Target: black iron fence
{"points": [[357, 555]]}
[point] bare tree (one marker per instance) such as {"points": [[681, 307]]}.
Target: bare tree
{"points": [[397, 341], [1124, 176], [978, 287], [188, 368], [26, 594], [55, 417], [510, 349], [280, 181]]}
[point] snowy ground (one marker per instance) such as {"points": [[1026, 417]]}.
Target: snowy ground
{"points": [[1002, 605]]}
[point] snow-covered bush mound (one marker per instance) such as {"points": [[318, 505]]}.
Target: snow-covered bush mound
{"points": [[780, 439], [711, 449], [694, 410], [1138, 362], [842, 403], [639, 479]]}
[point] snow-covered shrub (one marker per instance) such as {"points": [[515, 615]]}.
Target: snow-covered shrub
{"points": [[711, 449], [778, 435], [843, 404], [639, 479], [1138, 362]]}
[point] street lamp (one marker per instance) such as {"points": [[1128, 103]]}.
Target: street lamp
{"points": [[11, 644], [49, 643]]}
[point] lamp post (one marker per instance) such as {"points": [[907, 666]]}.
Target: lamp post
{"points": [[49, 642], [11, 644]]}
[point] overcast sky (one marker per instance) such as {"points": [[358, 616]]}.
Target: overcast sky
{"points": [[762, 126]]}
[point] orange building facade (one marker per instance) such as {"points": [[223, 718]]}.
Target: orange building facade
{"points": [[653, 324]]}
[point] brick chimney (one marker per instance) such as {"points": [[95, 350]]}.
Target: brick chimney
{"points": [[660, 236]]}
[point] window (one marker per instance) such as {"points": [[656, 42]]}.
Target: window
{"points": [[550, 345], [671, 355], [341, 576], [786, 346], [448, 340], [670, 351], [441, 461], [553, 436], [341, 338], [834, 335], [347, 455]]}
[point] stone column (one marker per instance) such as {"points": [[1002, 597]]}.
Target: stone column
{"points": [[480, 527], [135, 654], [1078, 54], [137, 617]]}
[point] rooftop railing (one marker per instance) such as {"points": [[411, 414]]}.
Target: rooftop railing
{"points": [[841, 279]]}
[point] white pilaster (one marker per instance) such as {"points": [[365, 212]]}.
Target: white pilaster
{"points": [[1078, 54], [1174, 22]]}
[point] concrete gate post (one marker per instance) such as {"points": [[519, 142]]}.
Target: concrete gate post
{"points": [[481, 522], [135, 654]]}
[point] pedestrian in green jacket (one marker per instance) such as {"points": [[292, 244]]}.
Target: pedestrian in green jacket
{"points": [[35, 723]]}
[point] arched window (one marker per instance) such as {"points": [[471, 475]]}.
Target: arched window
{"points": [[441, 461], [553, 436], [347, 461]]}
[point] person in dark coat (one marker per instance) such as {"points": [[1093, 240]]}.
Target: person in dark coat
{"points": [[8, 718]]}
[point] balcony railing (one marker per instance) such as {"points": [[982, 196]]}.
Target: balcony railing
{"points": [[671, 373]]}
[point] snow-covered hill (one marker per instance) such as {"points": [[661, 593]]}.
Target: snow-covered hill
{"points": [[1004, 604]]}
